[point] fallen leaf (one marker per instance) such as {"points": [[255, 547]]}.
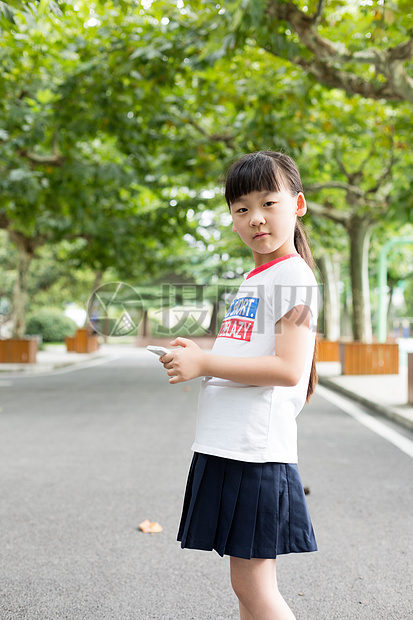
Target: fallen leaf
{"points": [[150, 527]]}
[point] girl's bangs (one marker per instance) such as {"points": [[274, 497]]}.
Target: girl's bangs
{"points": [[254, 173]]}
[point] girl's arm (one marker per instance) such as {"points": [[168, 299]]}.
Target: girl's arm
{"points": [[284, 368]]}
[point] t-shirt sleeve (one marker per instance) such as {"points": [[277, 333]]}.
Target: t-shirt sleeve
{"points": [[295, 286]]}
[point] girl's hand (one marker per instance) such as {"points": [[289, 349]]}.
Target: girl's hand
{"points": [[185, 363]]}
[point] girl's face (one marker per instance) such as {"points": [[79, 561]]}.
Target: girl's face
{"points": [[265, 221]]}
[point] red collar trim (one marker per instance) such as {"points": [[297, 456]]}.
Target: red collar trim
{"points": [[270, 264]]}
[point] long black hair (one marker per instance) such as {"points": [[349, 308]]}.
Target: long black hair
{"points": [[272, 171]]}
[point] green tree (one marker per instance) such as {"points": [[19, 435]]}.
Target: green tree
{"points": [[362, 48], [348, 145], [172, 95], [73, 144]]}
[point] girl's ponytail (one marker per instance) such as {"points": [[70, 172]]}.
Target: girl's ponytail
{"points": [[302, 247]]}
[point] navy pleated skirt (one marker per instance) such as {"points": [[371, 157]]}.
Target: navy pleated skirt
{"points": [[247, 510]]}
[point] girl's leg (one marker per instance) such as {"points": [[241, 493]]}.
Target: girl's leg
{"points": [[255, 584], [244, 614]]}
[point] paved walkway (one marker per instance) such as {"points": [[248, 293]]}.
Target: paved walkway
{"points": [[386, 394]]}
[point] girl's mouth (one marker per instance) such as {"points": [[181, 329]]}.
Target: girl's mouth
{"points": [[259, 235]]}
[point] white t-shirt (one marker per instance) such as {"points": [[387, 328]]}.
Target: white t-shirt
{"points": [[247, 422]]}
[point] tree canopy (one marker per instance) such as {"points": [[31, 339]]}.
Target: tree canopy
{"points": [[118, 119]]}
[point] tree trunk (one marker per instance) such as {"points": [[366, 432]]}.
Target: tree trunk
{"points": [[90, 315], [346, 330], [331, 298], [19, 302], [359, 231], [98, 279], [145, 323]]}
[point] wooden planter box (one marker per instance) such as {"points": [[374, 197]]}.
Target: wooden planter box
{"points": [[359, 358], [70, 343], [82, 342], [328, 351], [18, 351]]}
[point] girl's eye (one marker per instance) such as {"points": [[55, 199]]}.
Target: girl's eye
{"points": [[268, 204], [241, 209]]}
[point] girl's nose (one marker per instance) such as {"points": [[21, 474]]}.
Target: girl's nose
{"points": [[257, 219]]}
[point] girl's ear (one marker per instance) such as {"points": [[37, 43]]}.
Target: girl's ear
{"points": [[301, 204]]}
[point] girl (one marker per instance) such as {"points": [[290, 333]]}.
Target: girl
{"points": [[244, 496]]}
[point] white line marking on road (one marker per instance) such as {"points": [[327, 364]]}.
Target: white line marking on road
{"points": [[400, 441]]}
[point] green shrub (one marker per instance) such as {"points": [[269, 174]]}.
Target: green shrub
{"points": [[52, 324]]}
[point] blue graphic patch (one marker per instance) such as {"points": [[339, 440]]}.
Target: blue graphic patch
{"points": [[243, 306]]}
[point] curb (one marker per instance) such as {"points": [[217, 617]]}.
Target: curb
{"points": [[387, 411]]}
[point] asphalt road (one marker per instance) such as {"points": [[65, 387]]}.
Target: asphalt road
{"points": [[86, 455]]}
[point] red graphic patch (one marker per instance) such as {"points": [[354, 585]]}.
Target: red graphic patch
{"points": [[240, 329]]}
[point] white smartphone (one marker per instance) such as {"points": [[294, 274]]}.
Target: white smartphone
{"points": [[157, 349]]}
